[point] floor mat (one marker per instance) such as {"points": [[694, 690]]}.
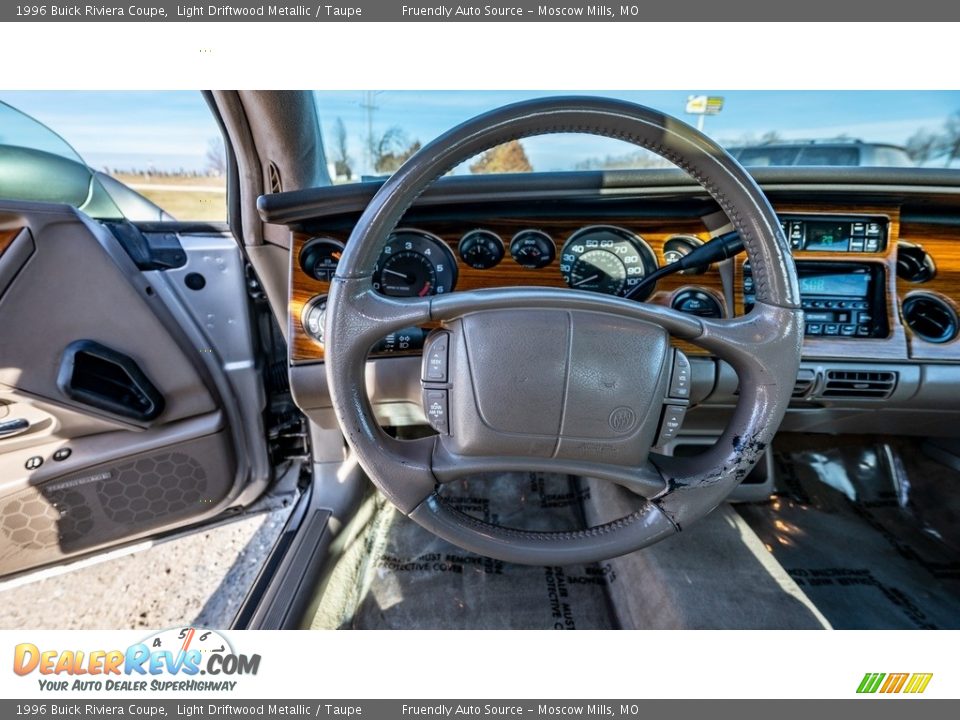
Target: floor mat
{"points": [[395, 574], [715, 575], [855, 524]]}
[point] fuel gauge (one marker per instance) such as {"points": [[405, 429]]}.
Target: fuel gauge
{"points": [[481, 249]]}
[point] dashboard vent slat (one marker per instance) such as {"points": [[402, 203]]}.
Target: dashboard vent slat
{"points": [[859, 384], [804, 383]]}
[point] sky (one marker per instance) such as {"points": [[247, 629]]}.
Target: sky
{"points": [[171, 130]]}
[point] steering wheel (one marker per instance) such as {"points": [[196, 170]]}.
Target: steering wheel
{"points": [[603, 364]]}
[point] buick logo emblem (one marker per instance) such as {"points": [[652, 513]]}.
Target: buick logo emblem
{"points": [[622, 420]]}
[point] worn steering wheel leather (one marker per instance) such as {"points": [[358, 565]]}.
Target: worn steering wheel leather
{"points": [[604, 362]]}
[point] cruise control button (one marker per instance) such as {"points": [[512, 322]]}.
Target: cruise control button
{"points": [[435, 405], [680, 381], [672, 420], [435, 358]]}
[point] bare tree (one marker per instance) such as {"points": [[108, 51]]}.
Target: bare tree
{"points": [[341, 159], [950, 139], [216, 156], [392, 150], [922, 146]]}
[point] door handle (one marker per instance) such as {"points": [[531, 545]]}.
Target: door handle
{"points": [[9, 428]]}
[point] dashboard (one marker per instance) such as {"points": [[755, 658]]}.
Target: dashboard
{"points": [[871, 288], [878, 261], [451, 254]]}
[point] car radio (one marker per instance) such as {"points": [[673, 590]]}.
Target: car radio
{"points": [[836, 233], [844, 300]]}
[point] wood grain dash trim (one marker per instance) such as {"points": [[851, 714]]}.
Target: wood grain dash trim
{"points": [[7, 237]]}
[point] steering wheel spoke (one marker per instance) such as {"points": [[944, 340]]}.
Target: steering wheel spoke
{"points": [[644, 480], [754, 343], [366, 316]]}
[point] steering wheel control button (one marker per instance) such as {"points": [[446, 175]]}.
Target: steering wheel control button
{"points": [[407, 340], [672, 420], [680, 380], [436, 406], [435, 358]]}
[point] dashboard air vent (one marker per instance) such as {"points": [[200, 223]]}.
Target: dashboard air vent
{"points": [[859, 384], [930, 318], [804, 383], [273, 175]]}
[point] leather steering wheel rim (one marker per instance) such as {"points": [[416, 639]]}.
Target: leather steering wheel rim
{"points": [[763, 346]]}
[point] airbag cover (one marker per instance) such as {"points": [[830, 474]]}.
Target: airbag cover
{"points": [[556, 383]]}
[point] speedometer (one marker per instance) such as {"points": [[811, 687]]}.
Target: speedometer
{"points": [[415, 263], [606, 259]]}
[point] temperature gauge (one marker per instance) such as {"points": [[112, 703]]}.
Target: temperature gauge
{"points": [[533, 248]]}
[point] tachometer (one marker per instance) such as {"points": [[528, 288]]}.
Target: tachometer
{"points": [[415, 263], [606, 259]]}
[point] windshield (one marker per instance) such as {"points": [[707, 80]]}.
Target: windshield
{"points": [[368, 134]]}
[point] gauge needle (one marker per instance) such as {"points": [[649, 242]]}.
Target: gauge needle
{"points": [[585, 280], [186, 642], [406, 278]]}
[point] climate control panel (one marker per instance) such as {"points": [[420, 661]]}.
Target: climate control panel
{"points": [[836, 233]]}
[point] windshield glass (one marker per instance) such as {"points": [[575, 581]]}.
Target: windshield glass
{"points": [[368, 134]]}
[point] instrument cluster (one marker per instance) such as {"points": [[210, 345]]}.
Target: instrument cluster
{"points": [[598, 258]]}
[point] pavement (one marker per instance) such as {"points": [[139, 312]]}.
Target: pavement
{"points": [[200, 579]]}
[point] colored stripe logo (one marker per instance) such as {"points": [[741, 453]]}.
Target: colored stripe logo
{"points": [[912, 683]]}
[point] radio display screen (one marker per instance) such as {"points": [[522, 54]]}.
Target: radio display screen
{"points": [[836, 285], [828, 236]]}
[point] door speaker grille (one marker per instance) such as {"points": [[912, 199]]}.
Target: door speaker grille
{"points": [[151, 487]]}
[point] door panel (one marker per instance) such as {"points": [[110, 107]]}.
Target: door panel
{"points": [[81, 477], [71, 288]]}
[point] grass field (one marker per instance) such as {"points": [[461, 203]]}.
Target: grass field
{"points": [[186, 198]]}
